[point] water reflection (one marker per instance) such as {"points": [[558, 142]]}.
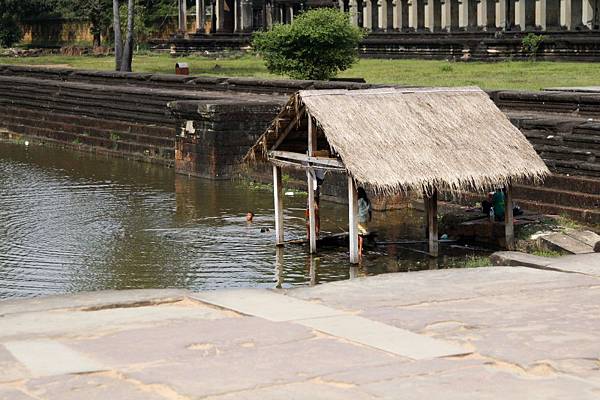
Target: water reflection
{"points": [[73, 222]]}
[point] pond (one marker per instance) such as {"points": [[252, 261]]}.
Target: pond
{"points": [[72, 222]]}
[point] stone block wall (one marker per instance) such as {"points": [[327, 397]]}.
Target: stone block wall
{"points": [[204, 125]]}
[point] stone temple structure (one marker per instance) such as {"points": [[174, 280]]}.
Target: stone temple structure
{"points": [[244, 16]]}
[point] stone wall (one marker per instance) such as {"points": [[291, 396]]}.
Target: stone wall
{"points": [[204, 125]]}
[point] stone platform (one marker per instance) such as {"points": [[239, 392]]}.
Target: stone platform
{"points": [[488, 333]]}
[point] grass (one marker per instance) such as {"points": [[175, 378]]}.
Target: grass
{"points": [[476, 262], [490, 75], [548, 253]]}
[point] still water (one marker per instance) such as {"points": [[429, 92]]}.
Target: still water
{"points": [[73, 222]]}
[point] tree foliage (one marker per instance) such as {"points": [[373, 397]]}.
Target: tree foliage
{"points": [[317, 45], [14, 11]]}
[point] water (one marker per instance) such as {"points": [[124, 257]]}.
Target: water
{"points": [[73, 222]]}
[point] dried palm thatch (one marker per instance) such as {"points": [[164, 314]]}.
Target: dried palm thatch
{"points": [[397, 139]]}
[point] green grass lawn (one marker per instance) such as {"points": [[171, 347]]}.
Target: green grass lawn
{"points": [[492, 75]]}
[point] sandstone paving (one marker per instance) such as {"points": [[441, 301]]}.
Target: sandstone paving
{"points": [[101, 386], [530, 334], [56, 323], [274, 365], [183, 340]]}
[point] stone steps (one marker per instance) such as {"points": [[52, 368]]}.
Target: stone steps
{"points": [[551, 195]]}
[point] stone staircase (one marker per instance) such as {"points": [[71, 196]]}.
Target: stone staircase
{"points": [[573, 196]]}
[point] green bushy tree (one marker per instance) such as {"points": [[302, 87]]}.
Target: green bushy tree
{"points": [[317, 45]]}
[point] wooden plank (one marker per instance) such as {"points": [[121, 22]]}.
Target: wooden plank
{"points": [[324, 161], [312, 220], [432, 223], [353, 220], [509, 227], [278, 197], [297, 165]]}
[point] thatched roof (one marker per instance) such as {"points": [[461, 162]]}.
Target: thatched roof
{"points": [[397, 139]]}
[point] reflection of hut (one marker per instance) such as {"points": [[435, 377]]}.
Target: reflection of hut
{"points": [[392, 140]]}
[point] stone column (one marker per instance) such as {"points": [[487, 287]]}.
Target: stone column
{"points": [[198, 14], [268, 14], [552, 8], [402, 15], [220, 14], [354, 12], [574, 13], [591, 19], [368, 14], [506, 14], [451, 15], [360, 13], [418, 15], [526, 11], [471, 15], [488, 14], [182, 17], [434, 14], [374, 15], [236, 16], [389, 15], [246, 15]]}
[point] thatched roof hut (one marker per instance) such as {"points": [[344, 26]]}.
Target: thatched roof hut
{"points": [[396, 139], [399, 139]]}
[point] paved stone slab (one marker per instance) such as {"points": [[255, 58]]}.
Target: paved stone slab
{"points": [[188, 340], [430, 287], [316, 389], [277, 307], [384, 337], [562, 241], [484, 383], [56, 323], [103, 386], [100, 299], [265, 304], [298, 361], [588, 264], [589, 238], [9, 393], [47, 357], [518, 259], [10, 369]]}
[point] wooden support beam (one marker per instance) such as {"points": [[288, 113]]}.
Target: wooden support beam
{"points": [[278, 197], [432, 222], [303, 158], [289, 128], [509, 227], [353, 220]]}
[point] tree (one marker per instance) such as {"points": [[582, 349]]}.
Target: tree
{"points": [[97, 12], [317, 45], [12, 12], [123, 51]]}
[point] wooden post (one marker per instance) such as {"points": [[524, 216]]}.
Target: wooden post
{"points": [[310, 174], [353, 220], [432, 222], [312, 220], [279, 267], [278, 197], [509, 228]]}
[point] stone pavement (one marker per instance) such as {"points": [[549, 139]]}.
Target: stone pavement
{"points": [[486, 333]]}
